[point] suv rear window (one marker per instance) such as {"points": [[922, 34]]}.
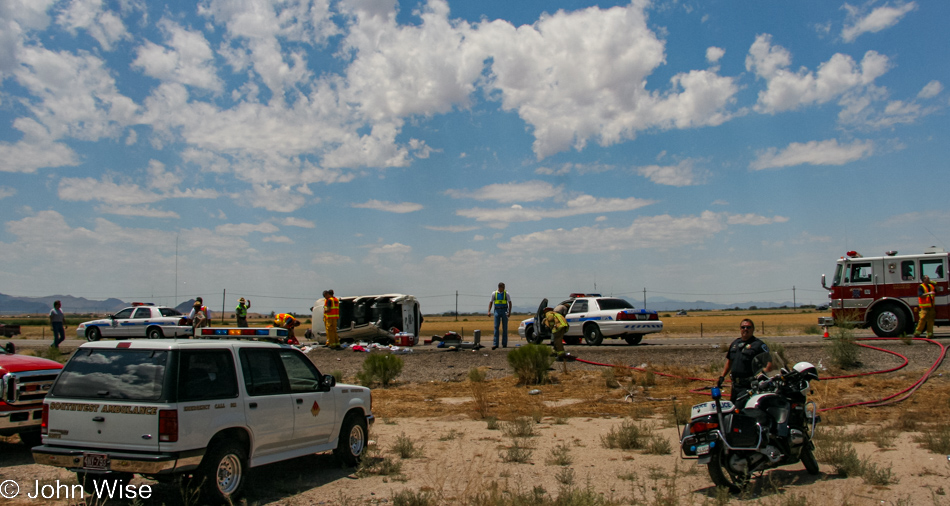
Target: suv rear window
{"points": [[607, 304], [113, 374]]}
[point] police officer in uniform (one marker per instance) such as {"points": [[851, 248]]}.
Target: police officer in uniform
{"points": [[739, 359]]}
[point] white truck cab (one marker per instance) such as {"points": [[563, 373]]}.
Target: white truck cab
{"points": [[204, 408]]}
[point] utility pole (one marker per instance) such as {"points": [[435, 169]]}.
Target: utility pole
{"points": [[644, 297], [224, 300], [456, 305], [794, 303]]}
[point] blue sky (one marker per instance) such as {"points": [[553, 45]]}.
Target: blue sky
{"points": [[716, 150]]}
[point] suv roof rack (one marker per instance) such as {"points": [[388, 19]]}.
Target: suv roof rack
{"points": [[271, 334]]}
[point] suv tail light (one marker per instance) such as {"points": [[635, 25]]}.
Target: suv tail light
{"points": [[167, 425], [44, 425]]}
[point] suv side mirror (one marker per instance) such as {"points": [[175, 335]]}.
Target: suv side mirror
{"points": [[329, 381]]}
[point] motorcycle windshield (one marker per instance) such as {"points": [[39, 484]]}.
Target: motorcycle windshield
{"points": [[762, 360]]}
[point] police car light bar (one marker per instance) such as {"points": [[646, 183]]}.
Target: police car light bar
{"points": [[135, 304], [237, 333]]}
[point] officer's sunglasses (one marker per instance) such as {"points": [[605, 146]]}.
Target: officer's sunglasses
{"points": [[745, 326]]}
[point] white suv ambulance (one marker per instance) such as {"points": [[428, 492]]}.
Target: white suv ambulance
{"points": [[202, 408]]}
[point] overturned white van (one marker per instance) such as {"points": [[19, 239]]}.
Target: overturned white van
{"points": [[371, 318]]}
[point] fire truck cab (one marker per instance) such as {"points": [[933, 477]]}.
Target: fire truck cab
{"points": [[881, 292]]}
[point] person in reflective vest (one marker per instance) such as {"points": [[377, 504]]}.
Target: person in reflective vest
{"points": [[331, 318], [287, 321], [925, 299], [241, 312], [500, 306], [554, 320]]}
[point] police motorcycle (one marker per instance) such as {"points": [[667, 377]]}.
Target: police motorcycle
{"points": [[772, 426]]}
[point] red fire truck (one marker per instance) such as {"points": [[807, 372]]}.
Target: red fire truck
{"points": [[881, 292]]}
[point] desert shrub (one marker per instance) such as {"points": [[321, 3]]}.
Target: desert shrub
{"points": [[835, 449], [648, 378], [405, 448], [560, 456], [565, 476], [936, 440], [659, 446], [380, 368], [337, 375], [520, 451], [491, 423], [373, 464], [629, 436], [518, 428], [874, 475], [843, 349], [476, 384], [811, 330], [531, 363], [414, 498]]}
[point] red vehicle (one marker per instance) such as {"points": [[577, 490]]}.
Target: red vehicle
{"points": [[24, 382], [881, 292]]}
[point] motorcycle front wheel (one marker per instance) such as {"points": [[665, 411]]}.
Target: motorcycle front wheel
{"points": [[808, 458], [722, 476]]}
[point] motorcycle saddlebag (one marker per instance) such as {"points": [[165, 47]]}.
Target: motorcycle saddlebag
{"points": [[743, 431]]}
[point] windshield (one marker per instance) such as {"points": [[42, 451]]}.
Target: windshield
{"points": [[837, 280], [113, 374]]}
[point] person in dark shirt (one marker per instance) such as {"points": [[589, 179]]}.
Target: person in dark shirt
{"points": [[739, 359]]}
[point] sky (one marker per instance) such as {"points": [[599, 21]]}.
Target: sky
{"points": [[716, 150]]}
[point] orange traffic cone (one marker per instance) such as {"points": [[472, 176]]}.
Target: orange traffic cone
{"points": [[826, 333]]}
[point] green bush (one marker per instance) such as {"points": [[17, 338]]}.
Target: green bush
{"points": [[380, 368], [531, 363], [629, 436], [843, 349]]}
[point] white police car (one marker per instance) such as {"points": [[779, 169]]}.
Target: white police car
{"points": [[143, 319], [594, 318]]}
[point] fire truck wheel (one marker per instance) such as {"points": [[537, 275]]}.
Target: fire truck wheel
{"points": [[889, 321]]}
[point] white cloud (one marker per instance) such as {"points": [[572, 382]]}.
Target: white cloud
{"points": [[281, 199], [714, 54], [583, 204], [282, 239], [787, 90], [6, 191], [187, 59], [858, 22], [577, 76], [76, 95], [328, 258], [290, 221], [392, 207], [685, 173], [242, 229], [753, 219], [528, 191], [827, 152], [656, 232], [453, 228], [568, 167], [141, 211], [932, 89], [34, 151], [93, 16]]}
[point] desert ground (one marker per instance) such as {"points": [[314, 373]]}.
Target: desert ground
{"points": [[442, 438]]}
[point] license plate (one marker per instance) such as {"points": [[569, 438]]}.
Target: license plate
{"points": [[98, 461], [702, 449], [643, 317]]}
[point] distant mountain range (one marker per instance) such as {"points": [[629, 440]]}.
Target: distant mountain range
{"points": [[13, 305]]}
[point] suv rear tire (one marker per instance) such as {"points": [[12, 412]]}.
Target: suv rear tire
{"points": [[224, 470]]}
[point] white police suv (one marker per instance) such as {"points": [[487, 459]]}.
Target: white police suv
{"points": [[203, 410], [143, 319], [593, 318]]}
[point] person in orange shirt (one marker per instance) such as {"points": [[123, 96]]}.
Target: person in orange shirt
{"points": [[925, 299], [287, 321], [331, 318]]}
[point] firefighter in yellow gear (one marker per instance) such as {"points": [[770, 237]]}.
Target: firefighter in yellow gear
{"points": [[925, 299], [287, 321], [331, 317], [555, 321]]}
